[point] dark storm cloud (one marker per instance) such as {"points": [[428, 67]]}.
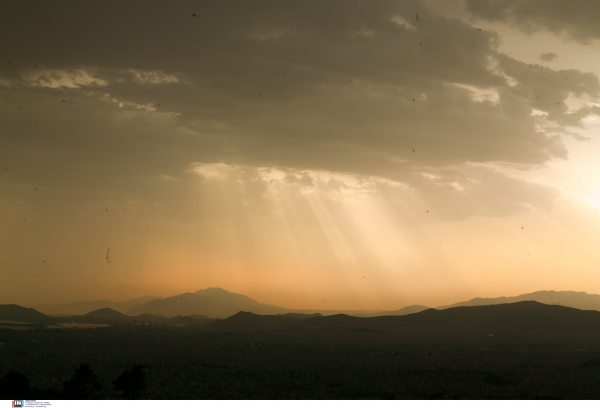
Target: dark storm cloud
{"points": [[547, 90], [578, 20], [548, 56], [111, 96]]}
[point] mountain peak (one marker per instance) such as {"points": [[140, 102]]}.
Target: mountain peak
{"points": [[579, 300], [215, 290], [242, 313], [211, 302], [22, 314], [105, 313]]}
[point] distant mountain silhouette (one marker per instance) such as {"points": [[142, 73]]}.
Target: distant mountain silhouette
{"points": [[300, 315], [81, 308], [211, 302], [219, 303], [18, 313], [401, 312], [527, 322], [246, 321], [106, 313], [334, 322], [579, 300]]}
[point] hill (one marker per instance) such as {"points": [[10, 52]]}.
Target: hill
{"points": [[211, 302], [400, 312], [108, 316], [18, 313], [219, 303], [579, 300], [525, 322], [82, 308], [106, 313], [300, 315], [246, 321]]}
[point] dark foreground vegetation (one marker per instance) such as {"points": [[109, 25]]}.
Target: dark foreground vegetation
{"points": [[543, 351]]}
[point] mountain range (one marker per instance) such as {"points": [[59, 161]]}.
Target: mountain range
{"points": [[11, 314], [578, 300], [210, 302], [518, 323], [219, 303], [213, 302], [81, 308]]}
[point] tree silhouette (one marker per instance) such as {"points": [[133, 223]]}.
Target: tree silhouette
{"points": [[14, 384], [82, 384], [131, 382]]}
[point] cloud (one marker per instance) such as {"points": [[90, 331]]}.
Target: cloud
{"points": [[549, 90], [75, 78], [108, 99], [548, 56], [578, 21], [449, 194], [478, 191]]}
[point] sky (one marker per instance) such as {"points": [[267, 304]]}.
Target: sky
{"points": [[308, 154]]}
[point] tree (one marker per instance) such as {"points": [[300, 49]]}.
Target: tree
{"points": [[83, 383], [14, 385], [131, 382]]}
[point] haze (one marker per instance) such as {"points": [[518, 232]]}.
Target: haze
{"points": [[308, 154]]}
